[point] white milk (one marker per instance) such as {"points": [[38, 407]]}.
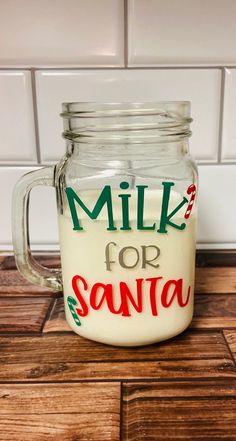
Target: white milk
{"points": [[83, 254]]}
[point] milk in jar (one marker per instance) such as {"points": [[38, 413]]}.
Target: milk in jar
{"points": [[101, 268]]}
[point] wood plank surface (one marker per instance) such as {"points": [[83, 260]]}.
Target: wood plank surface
{"points": [[68, 357], [114, 371], [70, 348], [214, 311], [60, 412], [179, 411], [215, 280], [215, 258], [23, 315], [231, 340]]}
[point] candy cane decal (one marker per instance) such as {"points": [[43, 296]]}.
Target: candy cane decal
{"points": [[191, 190], [71, 303]]}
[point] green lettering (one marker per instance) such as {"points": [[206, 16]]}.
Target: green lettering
{"points": [[165, 218], [125, 206], [140, 209], [104, 198]]}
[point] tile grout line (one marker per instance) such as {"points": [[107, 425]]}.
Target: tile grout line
{"points": [[108, 67], [35, 110], [228, 347], [126, 34], [221, 115]]}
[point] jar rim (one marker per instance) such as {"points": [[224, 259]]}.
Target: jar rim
{"points": [[87, 109], [126, 121]]}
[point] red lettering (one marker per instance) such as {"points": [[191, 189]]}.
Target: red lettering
{"points": [[84, 311], [102, 294], [126, 294], [153, 301], [177, 292], [107, 295]]}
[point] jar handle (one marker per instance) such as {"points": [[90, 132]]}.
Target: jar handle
{"points": [[27, 265]]}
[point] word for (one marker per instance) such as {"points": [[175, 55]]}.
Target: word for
{"points": [[129, 253]]}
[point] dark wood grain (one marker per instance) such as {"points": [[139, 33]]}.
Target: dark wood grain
{"points": [[179, 411], [68, 357], [60, 412], [70, 348], [22, 314], [215, 280], [188, 389], [231, 340], [214, 311], [210, 258], [113, 371]]}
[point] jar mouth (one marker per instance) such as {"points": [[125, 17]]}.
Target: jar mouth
{"points": [[129, 122]]}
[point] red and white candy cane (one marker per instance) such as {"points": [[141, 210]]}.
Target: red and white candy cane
{"points": [[191, 190]]}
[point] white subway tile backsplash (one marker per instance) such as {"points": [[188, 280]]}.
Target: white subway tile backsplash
{"points": [[43, 229], [58, 32], [16, 117], [229, 117], [217, 205], [181, 32], [174, 52], [200, 86]]}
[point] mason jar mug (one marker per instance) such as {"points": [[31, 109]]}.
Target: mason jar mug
{"points": [[126, 200]]}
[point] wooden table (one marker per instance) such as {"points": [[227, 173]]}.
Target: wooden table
{"points": [[58, 386]]}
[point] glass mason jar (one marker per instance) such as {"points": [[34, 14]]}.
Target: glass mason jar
{"points": [[126, 200]]}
